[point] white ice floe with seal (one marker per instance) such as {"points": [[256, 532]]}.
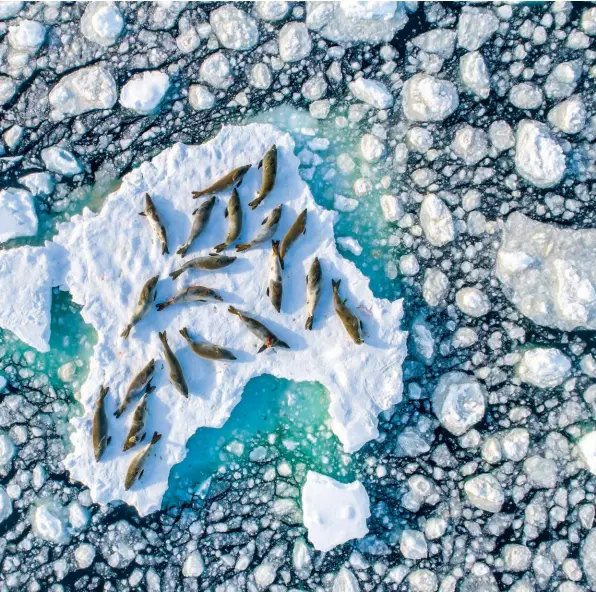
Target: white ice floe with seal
{"points": [[86, 89], [17, 214], [145, 91], [105, 258], [333, 512]]}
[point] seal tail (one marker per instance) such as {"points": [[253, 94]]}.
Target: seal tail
{"points": [[126, 332], [255, 202], [335, 285], [219, 248], [103, 391], [196, 194], [163, 337], [243, 247], [176, 273], [162, 305], [156, 438], [165, 250], [308, 324], [118, 412], [233, 310], [182, 251], [184, 333]]}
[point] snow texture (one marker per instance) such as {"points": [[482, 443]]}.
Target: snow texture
{"points": [[107, 258], [17, 214], [333, 512], [26, 271]]}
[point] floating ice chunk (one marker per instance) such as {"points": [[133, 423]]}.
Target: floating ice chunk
{"points": [[315, 88], [9, 9], [436, 221], [561, 82], [412, 544], [470, 144], [438, 41], [27, 36], [26, 271], [39, 183], [419, 139], [501, 135], [102, 23], [260, 76], [13, 136], [103, 281], [345, 204], [345, 581], [234, 28], [473, 302], [392, 208], [485, 493], [320, 109], [84, 555], [200, 97], [215, 71], [84, 90], [50, 522], [17, 214], [294, 42], [193, 565], [588, 21], [545, 367], [59, 160], [371, 147], [588, 556], [7, 88], [408, 264], [541, 472], [435, 287], [475, 27], [333, 512], [426, 98], [350, 244], [371, 92], [7, 447], [350, 20], [569, 116], [555, 287], [538, 157], [145, 91], [587, 450], [5, 505], [458, 402], [516, 558], [273, 10], [526, 96], [474, 74], [464, 337]]}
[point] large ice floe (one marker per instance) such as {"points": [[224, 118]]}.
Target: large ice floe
{"points": [[547, 271], [107, 257]]}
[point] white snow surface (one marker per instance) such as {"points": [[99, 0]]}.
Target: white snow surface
{"points": [[107, 258], [26, 271], [17, 214], [333, 512]]}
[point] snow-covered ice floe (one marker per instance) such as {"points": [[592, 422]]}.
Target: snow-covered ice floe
{"points": [[17, 214], [334, 512], [548, 272], [107, 257]]}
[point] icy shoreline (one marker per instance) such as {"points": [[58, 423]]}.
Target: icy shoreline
{"points": [[108, 256]]}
